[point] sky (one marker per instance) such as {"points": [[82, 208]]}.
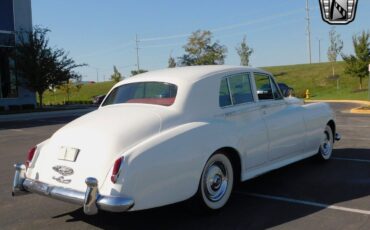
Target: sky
{"points": [[102, 33]]}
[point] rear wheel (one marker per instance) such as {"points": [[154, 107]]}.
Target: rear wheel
{"points": [[326, 144], [216, 183]]}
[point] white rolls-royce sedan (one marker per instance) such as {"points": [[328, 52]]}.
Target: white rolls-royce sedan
{"points": [[176, 134]]}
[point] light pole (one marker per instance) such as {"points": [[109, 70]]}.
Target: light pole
{"points": [[308, 30], [319, 40], [97, 74], [368, 86]]}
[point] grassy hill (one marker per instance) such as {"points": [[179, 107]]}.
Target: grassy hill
{"points": [[314, 77], [84, 95]]}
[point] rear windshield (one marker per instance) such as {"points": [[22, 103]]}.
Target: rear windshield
{"points": [[158, 93]]}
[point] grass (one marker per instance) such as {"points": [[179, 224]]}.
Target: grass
{"points": [[314, 77], [84, 95]]}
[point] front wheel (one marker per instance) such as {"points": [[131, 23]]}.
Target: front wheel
{"points": [[216, 183], [326, 144]]}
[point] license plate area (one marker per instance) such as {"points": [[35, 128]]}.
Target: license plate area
{"points": [[68, 154]]}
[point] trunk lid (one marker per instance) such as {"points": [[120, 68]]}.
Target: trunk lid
{"points": [[99, 138]]}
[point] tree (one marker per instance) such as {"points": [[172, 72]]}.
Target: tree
{"points": [[201, 51], [244, 52], [67, 89], [70, 86], [356, 65], [171, 62], [136, 72], [335, 47], [40, 65], [116, 76]]}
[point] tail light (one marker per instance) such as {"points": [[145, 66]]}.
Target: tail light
{"points": [[116, 170], [30, 156]]}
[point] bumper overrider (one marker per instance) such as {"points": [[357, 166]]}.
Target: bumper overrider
{"points": [[91, 200], [337, 137]]}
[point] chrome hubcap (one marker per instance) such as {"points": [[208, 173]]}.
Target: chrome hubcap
{"points": [[215, 181], [326, 145]]}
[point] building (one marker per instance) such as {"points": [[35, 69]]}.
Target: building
{"points": [[15, 15]]}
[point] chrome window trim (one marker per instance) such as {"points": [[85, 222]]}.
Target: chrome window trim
{"points": [[272, 81]]}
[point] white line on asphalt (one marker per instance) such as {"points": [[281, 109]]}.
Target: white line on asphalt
{"points": [[16, 130], [356, 139], [350, 159], [354, 126], [309, 203]]}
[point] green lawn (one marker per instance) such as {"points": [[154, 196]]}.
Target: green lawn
{"points": [[314, 77], [84, 95]]}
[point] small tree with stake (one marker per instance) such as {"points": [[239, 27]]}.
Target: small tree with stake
{"points": [[244, 52], [335, 47], [171, 62], [116, 76], [40, 65]]}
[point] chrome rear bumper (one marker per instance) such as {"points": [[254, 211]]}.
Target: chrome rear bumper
{"points": [[91, 200]]}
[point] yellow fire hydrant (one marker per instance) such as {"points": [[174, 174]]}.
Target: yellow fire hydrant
{"points": [[307, 94]]}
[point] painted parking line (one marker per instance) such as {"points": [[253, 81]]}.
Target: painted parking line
{"points": [[355, 139], [350, 159], [354, 126], [305, 202]]}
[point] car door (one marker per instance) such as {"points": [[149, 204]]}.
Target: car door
{"points": [[285, 123], [238, 104]]}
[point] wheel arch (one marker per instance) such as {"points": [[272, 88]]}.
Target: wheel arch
{"points": [[331, 124], [235, 159]]}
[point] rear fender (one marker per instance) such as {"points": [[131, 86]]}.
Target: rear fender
{"points": [[167, 167]]}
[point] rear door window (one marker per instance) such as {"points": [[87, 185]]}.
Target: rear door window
{"points": [[235, 89]]}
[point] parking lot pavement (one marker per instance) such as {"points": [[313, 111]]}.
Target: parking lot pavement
{"points": [[305, 195]]}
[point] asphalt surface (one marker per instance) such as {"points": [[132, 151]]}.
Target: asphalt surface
{"points": [[304, 195]]}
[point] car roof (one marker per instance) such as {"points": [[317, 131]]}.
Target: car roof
{"points": [[185, 75]]}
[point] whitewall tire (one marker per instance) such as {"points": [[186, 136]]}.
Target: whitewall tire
{"points": [[326, 144], [216, 182]]}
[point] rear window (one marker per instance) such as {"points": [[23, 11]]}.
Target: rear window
{"points": [[157, 93]]}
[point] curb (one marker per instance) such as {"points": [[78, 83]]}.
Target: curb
{"points": [[354, 110], [359, 111], [43, 115]]}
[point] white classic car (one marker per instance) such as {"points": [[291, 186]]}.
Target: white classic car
{"points": [[167, 136]]}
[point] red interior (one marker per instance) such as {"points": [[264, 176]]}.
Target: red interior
{"points": [[156, 101]]}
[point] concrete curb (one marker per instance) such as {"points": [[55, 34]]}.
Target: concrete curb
{"points": [[360, 111], [42, 115], [354, 111]]}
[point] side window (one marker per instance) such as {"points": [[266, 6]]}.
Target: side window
{"points": [[266, 88], [224, 96], [240, 88], [235, 90]]}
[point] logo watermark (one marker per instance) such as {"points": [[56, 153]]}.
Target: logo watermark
{"points": [[338, 12]]}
